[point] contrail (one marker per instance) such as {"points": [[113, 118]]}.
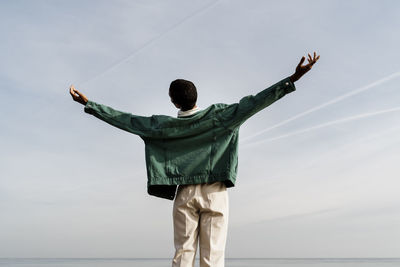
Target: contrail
{"points": [[335, 100], [347, 119], [148, 43]]}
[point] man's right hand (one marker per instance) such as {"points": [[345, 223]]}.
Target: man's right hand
{"points": [[78, 96]]}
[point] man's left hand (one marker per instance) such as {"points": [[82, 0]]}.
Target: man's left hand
{"points": [[303, 69]]}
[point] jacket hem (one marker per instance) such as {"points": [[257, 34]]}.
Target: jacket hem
{"points": [[195, 179]]}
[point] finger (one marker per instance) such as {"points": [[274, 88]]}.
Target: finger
{"points": [[78, 93], [309, 57], [302, 60], [75, 98], [74, 90], [71, 91], [315, 59], [315, 55], [74, 95]]}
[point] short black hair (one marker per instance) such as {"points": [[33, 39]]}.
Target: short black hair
{"points": [[183, 93]]}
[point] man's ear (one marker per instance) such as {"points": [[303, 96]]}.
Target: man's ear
{"points": [[175, 104]]}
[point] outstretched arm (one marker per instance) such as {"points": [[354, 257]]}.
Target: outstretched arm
{"points": [[303, 69], [235, 114], [138, 125]]}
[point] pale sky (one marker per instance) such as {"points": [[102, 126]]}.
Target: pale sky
{"points": [[318, 170]]}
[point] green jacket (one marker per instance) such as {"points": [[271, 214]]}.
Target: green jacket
{"points": [[200, 148]]}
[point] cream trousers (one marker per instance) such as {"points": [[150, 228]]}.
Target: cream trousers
{"points": [[200, 216]]}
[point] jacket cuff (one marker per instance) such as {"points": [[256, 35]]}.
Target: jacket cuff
{"points": [[89, 107], [288, 85]]}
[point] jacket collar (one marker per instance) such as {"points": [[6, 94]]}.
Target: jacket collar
{"points": [[188, 112]]}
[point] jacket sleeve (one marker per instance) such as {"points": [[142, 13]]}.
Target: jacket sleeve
{"points": [[138, 125], [236, 114]]}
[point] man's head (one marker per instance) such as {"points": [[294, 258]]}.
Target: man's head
{"points": [[183, 94]]}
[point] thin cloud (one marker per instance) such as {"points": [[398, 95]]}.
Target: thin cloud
{"points": [[322, 125], [333, 101], [150, 42]]}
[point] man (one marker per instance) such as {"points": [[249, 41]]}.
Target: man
{"points": [[197, 152]]}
